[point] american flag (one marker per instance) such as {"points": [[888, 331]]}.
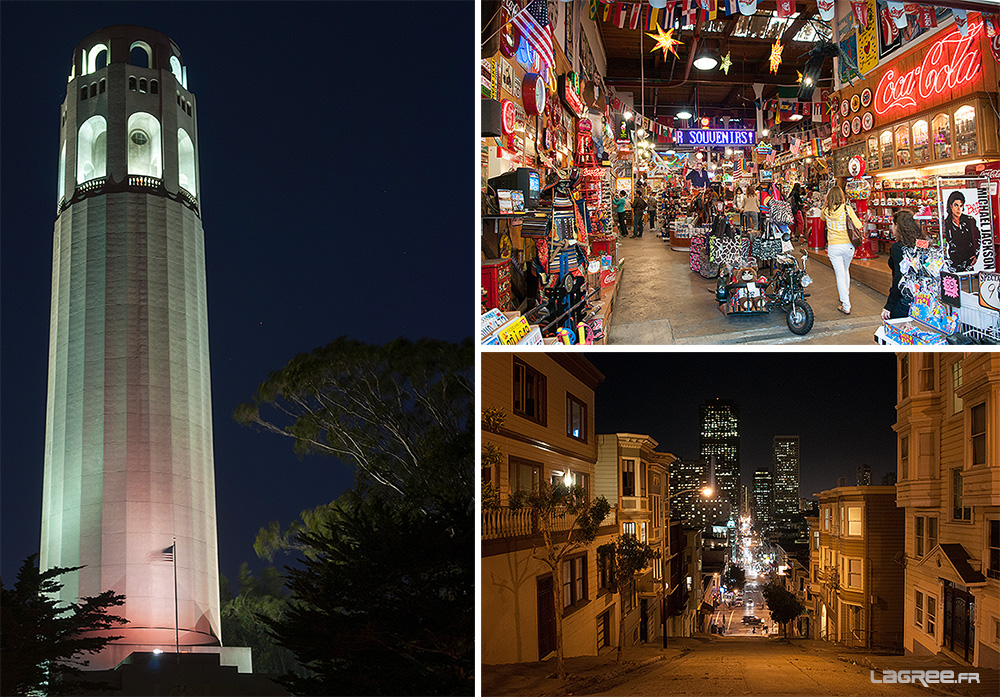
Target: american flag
{"points": [[164, 554], [533, 22]]}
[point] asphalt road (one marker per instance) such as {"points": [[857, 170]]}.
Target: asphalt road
{"points": [[731, 616], [752, 665]]}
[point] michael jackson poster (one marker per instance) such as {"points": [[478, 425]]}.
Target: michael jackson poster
{"points": [[966, 225]]}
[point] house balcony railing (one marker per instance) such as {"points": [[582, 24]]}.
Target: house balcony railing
{"points": [[501, 523]]}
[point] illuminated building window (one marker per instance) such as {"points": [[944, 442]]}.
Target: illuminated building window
{"points": [[628, 477], [956, 383], [185, 162], [523, 475], [628, 528], [576, 418], [144, 148], [91, 149], [97, 58], [931, 613]]}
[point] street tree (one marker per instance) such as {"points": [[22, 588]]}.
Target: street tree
{"points": [[630, 557], [567, 521], [44, 642], [381, 601], [783, 604]]}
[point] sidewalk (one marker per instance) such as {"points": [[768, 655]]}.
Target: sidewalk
{"points": [[584, 672], [989, 679]]}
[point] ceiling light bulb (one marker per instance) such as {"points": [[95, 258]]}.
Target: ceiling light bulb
{"points": [[698, 155], [765, 132], [808, 81], [684, 114], [642, 131], [706, 62], [628, 114]]}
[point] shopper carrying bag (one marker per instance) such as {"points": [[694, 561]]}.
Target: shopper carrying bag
{"points": [[638, 208], [906, 231], [836, 213]]}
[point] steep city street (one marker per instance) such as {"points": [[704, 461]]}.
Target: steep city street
{"points": [[754, 665]]}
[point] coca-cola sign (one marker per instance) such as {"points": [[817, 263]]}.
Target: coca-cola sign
{"points": [[948, 63]]}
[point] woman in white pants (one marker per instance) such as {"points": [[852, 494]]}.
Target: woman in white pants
{"points": [[838, 243]]}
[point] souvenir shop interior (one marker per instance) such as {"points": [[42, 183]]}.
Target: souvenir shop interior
{"points": [[702, 143]]}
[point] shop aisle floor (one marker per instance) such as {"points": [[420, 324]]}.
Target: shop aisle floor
{"points": [[661, 301]]}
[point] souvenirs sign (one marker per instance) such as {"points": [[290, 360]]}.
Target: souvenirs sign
{"points": [[989, 290], [710, 136]]}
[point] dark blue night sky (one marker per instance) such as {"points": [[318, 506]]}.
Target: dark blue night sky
{"points": [[841, 405], [337, 198]]}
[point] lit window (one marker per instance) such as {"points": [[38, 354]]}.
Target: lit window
{"points": [[523, 475], [144, 150], [628, 529], [91, 149], [175, 68], [185, 162], [854, 521], [140, 54], [918, 609], [931, 613], [576, 418]]}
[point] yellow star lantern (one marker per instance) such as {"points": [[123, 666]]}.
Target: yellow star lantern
{"points": [[799, 78], [726, 63], [665, 41], [776, 56]]}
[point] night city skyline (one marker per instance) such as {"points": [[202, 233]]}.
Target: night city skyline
{"points": [[659, 394], [312, 227]]}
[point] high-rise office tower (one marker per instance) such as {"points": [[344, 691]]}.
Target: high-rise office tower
{"points": [[720, 437], [786, 478], [864, 475], [129, 463], [763, 500], [691, 476]]}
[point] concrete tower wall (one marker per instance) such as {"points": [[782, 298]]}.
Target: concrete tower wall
{"points": [[128, 455]]}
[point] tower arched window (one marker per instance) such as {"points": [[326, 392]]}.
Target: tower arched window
{"points": [[93, 89], [144, 149], [154, 87], [92, 149], [62, 172], [140, 55], [185, 162], [84, 92], [102, 86], [132, 84], [142, 85], [97, 58], [175, 68], [189, 108]]}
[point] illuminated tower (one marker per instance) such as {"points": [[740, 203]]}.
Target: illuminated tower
{"points": [[786, 478], [763, 498], [128, 442], [720, 436]]}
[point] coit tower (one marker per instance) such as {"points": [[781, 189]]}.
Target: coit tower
{"points": [[128, 441]]}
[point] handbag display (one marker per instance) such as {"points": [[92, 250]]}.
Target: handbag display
{"points": [[766, 249], [781, 212]]}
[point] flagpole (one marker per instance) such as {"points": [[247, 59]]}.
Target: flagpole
{"points": [[177, 643]]}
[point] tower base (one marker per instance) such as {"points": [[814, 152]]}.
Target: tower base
{"points": [[197, 673]]}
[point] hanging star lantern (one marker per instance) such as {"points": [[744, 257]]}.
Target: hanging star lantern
{"points": [[665, 41], [799, 79], [726, 63], [776, 56]]}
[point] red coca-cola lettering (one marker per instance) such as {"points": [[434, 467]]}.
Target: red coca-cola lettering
{"points": [[938, 72]]}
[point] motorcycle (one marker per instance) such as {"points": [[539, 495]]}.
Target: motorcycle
{"points": [[749, 294]]}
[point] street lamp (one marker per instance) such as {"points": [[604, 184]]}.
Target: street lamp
{"points": [[705, 491]]}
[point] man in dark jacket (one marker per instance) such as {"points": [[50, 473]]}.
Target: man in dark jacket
{"points": [[638, 208]]}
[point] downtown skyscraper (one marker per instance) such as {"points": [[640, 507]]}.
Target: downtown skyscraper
{"points": [[720, 438], [786, 478], [763, 501]]}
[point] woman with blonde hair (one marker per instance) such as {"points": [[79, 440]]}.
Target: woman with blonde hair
{"points": [[838, 242]]}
